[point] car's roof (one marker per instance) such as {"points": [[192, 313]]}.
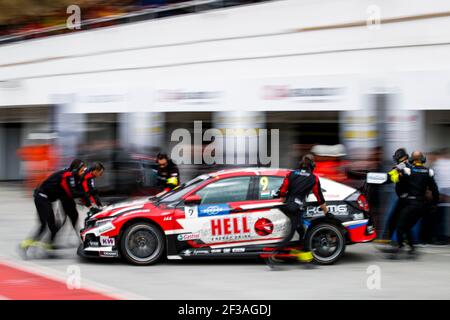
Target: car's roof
{"points": [[249, 171]]}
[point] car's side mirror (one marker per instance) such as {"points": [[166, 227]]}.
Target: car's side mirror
{"points": [[376, 178], [193, 199]]}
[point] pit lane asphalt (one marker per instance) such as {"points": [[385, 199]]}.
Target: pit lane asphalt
{"points": [[425, 278]]}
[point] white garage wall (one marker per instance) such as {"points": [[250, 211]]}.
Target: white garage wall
{"points": [[227, 47]]}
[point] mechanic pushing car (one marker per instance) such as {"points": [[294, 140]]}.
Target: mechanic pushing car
{"points": [[401, 158], [294, 190], [61, 185], [418, 179], [168, 174], [88, 186]]}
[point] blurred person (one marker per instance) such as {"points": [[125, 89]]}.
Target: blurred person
{"points": [[61, 185], [39, 161], [168, 173], [296, 187], [401, 158], [329, 161], [438, 230], [418, 179], [88, 186]]}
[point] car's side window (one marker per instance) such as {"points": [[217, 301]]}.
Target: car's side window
{"points": [[268, 187], [226, 190]]}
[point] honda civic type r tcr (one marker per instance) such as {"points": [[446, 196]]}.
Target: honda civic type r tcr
{"points": [[230, 213]]}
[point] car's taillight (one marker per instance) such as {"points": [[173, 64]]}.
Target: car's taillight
{"points": [[362, 203]]}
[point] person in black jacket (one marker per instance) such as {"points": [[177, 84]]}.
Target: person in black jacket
{"points": [[296, 187], [88, 186], [418, 180], [61, 185], [401, 158], [168, 174]]}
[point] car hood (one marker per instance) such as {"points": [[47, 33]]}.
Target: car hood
{"points": [[128, 206]]}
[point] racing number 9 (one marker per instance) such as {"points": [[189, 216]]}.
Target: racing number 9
{"points": [[264, 183]]}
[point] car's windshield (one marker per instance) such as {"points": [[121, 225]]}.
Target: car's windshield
{"points": [[185, 188]]}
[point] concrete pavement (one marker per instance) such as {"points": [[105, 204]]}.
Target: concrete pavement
{"points": [[362, 274]]}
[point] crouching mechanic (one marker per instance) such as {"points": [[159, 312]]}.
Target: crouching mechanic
{"points": [[87, 184], [61, 185], [168, 174], [294, 190]]}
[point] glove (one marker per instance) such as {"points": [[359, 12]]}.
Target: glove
{"points": [[93, 211]]}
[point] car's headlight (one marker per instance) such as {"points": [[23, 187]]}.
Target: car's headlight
{"points": [[102, 222]]}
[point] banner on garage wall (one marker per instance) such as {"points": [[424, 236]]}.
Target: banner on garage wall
{"points": [[313, 93], [192, 96], [101, 100]]}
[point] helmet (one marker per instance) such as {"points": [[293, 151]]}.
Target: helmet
{"points": [[399, 154]]}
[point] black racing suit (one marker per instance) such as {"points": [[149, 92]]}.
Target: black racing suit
{"points": [[296, 187], [418, 180], [169, 176], [401, 189], [61, 185], [88, 187]]}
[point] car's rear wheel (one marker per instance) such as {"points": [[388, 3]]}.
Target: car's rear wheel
{"points": [[327, 243], [142, 243]]}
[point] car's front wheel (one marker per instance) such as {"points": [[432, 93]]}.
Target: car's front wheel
{"points": [[142, 243], [327, 243]]}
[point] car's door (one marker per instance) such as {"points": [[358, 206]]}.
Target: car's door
{"points": [[268, 204], [218, 217], [229, 215]]}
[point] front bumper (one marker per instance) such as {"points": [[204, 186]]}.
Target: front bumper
{"points": [[98, 247]]}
